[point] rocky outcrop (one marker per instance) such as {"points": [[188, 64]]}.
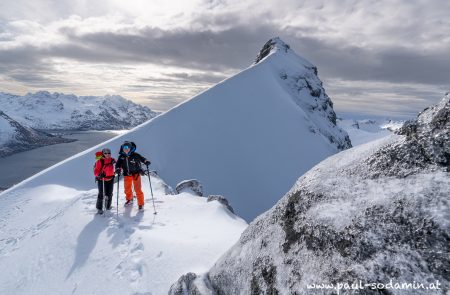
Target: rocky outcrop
{"points": [[271, 45], [308, 93], [426, 145], [186, 284], [222, 200], [376, 216], [192, 184]]}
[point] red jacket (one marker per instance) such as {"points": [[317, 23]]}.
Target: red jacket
{"points": [[105, 165]]}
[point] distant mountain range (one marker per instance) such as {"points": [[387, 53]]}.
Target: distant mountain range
{"points": [[49, 111], [24, 120], [15, 137]]}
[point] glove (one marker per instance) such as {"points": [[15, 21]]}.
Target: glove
{"points": [[101, 175], [118, 171], [147, 162]]}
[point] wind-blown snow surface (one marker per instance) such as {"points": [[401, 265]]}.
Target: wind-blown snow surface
{"points": [[52, 242], [44, 110], [374, 213]]}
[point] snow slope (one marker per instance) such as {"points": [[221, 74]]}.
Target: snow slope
{"points": [[248, 138], [251, 136], [52, 242], [44, 110]]}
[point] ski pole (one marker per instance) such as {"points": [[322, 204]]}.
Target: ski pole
{"points": [[104, 198], [117, 199], [151, 190]]}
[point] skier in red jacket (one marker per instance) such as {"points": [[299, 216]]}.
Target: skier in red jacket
{"points": [[104, 174]]}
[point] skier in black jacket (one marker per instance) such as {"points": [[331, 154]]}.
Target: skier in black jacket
{"points": [[129, 162]]}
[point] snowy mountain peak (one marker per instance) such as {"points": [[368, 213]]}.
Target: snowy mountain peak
{"points": [[43, 93], [273, 45], [299, 78], [15, 137], [72, 112]]}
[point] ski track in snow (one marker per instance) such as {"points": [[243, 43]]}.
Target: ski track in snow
{"points": [[61, 246]]}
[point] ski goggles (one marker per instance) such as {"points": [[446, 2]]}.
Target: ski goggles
{"points": [[125, 147]]}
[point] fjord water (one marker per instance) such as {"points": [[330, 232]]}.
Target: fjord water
{"points": [[20, 166]]}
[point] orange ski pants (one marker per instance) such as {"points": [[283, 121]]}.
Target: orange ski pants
{"points": [[135, 181]]}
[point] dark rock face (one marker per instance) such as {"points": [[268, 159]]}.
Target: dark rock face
{"points": [[192, 184], [308, 83], [373, 214], [185, 285], [272, 44], [221, 200]]}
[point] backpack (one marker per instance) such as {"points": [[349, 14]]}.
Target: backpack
{"points": [[98, 156]]}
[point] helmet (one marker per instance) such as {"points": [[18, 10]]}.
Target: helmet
{"points": [[106, 151]]}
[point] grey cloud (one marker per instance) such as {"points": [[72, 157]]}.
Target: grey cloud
{"points": [[28, 66], [234, 49], [207, 50], [402, 65], [186, 79], [205, 78]]}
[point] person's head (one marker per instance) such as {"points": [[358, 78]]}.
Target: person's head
{"points": [[106, 152], [126, 148]]}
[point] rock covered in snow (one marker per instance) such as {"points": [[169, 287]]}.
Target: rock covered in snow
{"points": [[192, 184], [426, 145], [14, 137], [222, 200], [185, 285], [374, 214], [44, 110], [308, 93]]}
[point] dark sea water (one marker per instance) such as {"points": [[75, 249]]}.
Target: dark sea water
{"points": [[20, 166]]}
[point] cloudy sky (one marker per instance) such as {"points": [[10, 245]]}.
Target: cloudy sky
{"points": [[383, 57]]}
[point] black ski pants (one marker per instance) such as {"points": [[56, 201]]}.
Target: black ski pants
{"points": [[109, 186]]}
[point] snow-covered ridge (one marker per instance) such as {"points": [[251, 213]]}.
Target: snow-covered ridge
{"points": [[249, 137], [377, 213], [300, 79], [15, 137], [44, 110], [52, 242]]}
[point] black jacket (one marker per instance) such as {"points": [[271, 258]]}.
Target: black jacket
{"points": [[131, 163]]}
